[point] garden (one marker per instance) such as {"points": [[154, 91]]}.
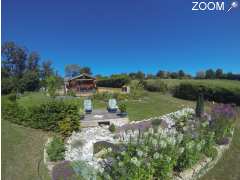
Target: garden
{"points": [[180, 145], [165, 138]]}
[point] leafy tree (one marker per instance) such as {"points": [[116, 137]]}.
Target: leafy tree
{"points": [[161, 74], [47, 69], [32, 62], [52, 85], [219, 73], [14, 59], [174, 75], [201, 75], [30, 81], [72, 70], [85, 70], [140, 75], [210, 74], [181, 74]]}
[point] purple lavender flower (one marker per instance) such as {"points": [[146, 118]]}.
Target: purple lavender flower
{"points": [[63, 171], [224, 111]]}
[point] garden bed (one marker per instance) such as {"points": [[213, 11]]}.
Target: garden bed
{"points": [[173, 146]]}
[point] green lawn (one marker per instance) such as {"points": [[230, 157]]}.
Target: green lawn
{"points": [[22, 153], [218, 83]]}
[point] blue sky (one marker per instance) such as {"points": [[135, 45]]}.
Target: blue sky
{"points": [[114, 36]]}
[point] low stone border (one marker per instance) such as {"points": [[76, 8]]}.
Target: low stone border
{"points": [[203, 166]]}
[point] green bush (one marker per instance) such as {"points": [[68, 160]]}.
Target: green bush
{"points": [[100, 145], [112, 128], [56, 149], [84, 171], [66, 127], [211, 92], [52, 116], [114, 82], [155, 86], [71, 93], [123, 107]]}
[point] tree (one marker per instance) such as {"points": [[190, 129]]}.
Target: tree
{"points": [[47, 69], [30, 81], [85, 70], [32, 62], [174, 75], [201, 75], [51, 82], [140, 75], [219, 73], [210, 74], [200, 106], [14, 59], [72, 70], [181, 74], [161, 74]]}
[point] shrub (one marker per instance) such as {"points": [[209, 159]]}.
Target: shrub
{"points": [[211, 92], [123, 107], [56, 149], [200, 106], [46, 116], [137, 89], [100, 145], [223, 116], [71, 93], [84, 171], [12, 97], [115, 82], [112, 128], [155, 86], [67, 126]]}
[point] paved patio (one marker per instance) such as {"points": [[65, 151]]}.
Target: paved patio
{"points": [[102, 116]]}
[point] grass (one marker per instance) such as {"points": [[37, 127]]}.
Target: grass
{"points": [[22, 153], [228, 168], [215, 82], [155, 104]]}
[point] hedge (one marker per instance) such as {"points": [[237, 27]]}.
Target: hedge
{"points": [[223, 94], [116, 82], [48, 116], [155, 86]]}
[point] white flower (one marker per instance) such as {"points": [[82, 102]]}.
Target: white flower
{"points": [[139, 153], [109, 149], [123, 153], [180, 138], [135, 161], [120, 164], [156, 155], [154, 142], [162, 144], [181, 150], [150, 130], [168, 159]]}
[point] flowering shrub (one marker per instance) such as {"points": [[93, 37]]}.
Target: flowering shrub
{"points": [[223, 116], [147, 156]]}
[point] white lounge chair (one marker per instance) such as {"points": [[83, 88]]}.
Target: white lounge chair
{"points": [[87, 105]]}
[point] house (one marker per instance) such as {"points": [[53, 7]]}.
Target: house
{"points": [[80, 84]]}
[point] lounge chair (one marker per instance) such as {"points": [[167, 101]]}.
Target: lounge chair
{"points": [[112, 105], [87, 105]]}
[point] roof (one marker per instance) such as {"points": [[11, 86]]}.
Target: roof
{"points": [[81, 76]]}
